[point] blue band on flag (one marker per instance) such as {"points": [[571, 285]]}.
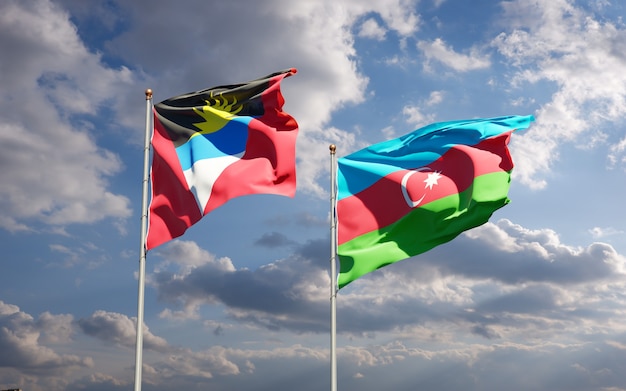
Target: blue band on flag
{"points": [[230, 140], [417, 149]]}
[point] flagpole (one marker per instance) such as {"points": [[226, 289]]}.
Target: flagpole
{"points": [[333, 268], [142, 247]]}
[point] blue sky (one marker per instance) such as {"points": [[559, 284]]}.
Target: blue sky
{"points": [[532, 300]]}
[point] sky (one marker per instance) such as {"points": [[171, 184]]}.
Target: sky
{"points": [[535, 299]]}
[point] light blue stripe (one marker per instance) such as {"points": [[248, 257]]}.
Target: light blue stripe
{"points": [[229, 140], [360, 170]]}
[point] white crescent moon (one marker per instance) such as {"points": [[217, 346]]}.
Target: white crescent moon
{"points": [[405, 193]]}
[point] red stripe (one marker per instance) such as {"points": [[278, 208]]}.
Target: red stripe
{"points": [[383, 203], [173, 207]]}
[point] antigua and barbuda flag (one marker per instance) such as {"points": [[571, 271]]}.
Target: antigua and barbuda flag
{"points": [[405, 196], [216, 144]]}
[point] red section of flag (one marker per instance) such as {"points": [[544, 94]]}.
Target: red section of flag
{"points": [[268, 165], [173, 207], [384, 203]]}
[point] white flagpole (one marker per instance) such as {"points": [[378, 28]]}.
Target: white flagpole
{"points": [[142, 247], [333, 268]]}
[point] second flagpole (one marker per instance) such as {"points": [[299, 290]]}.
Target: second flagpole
{"points": [[333, 268]]}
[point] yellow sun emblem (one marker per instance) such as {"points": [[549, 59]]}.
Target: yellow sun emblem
{"points": [[216, 113]]}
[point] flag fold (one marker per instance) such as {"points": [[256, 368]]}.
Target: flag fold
{"points": [[216, 144], [402, 197]]}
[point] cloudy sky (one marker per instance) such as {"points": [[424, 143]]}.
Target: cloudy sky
{"points": [[533, 300]]}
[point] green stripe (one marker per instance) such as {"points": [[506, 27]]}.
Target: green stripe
{"points": [[423, 228]]}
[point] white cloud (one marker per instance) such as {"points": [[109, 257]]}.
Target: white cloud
{"points": [[617, 157], [188, 255], [599, 232], [119, 329], [168, 365], [415, 115], [200, 278], [23, 342], [435, 98], [371, 29], [55, 328], [584, 58], [438, 51], [53, 171]]}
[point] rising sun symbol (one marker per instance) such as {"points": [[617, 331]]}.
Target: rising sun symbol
{"points": [[216, 113]]}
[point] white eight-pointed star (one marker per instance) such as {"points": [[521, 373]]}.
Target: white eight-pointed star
{"points": [[432, 179]]}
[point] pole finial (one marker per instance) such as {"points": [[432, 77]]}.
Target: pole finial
{"points": [[332, 148], [148, 93]]}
